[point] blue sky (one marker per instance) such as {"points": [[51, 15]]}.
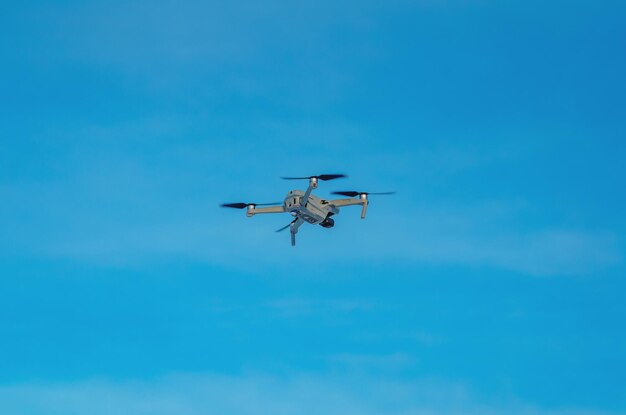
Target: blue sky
{"points": [[491, 283]]}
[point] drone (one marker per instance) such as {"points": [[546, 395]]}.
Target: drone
{"points": [[306, 207]]}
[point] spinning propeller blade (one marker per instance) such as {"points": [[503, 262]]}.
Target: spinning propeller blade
{"points": [[242, 205], [352, 193], [323, 177], [285, 227]]}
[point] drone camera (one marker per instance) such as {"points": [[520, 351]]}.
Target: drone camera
{"points": [[327, 223]]}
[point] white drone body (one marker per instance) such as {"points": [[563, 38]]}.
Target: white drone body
{"points": [[306, 207]]}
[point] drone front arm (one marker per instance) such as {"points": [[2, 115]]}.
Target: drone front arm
{"points": [[350, 202], [312, 185], [252, 210]]}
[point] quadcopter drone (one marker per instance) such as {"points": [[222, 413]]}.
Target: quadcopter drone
{"points": [[306, 207]]}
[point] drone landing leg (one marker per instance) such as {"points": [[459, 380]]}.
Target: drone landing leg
{"points": [[294, 230]]}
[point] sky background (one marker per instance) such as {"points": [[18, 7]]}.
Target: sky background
{"points": [[491, 283]]}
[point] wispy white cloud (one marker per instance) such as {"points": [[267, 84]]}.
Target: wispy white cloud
{"points": [[118, 199], [462, 236], [187, 394], [126, 225], [380, 363], [293, 307]]}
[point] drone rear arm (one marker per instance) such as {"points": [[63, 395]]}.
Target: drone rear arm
{"points": [[252, 210], [350, 202]]}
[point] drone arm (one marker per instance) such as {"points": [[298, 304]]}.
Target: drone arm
{"points": [[252, 210], [350, 202], [312, 185], [364, 208]]}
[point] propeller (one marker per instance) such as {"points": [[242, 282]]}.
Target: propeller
{"points": [[285, 227], [352, 193], [322, 177], [242, 205]]}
